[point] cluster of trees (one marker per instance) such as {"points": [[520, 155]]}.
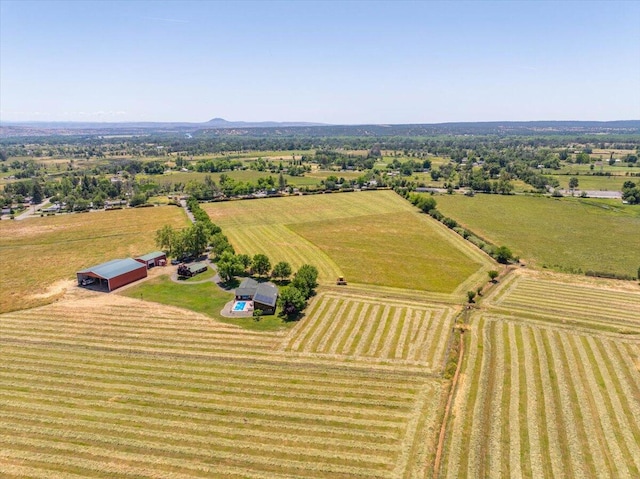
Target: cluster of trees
{"points": [[407, 168], [330, 158], [191, 241], [188, 242], [293, 298], [217, 165], [631, 192]]}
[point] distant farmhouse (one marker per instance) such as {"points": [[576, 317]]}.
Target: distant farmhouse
{"points": [[263, 295]]}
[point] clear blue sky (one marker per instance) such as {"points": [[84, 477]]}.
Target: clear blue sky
{"points": [[332, 62]]}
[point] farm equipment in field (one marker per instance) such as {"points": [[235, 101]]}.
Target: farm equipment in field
{"points": [[341, 281]]}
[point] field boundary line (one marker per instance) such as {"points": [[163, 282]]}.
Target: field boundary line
{"points": [[447, 411]]}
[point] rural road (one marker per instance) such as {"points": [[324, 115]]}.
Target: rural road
{"points": [[31, 210], [183, 203]]}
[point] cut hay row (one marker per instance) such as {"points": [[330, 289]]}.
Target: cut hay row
{"points": [[344, 327], [544, 402], [572, 304], [95, 398], [347, 382]]}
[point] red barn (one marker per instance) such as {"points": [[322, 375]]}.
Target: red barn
{"points": [[112, 274], [157, 258]]}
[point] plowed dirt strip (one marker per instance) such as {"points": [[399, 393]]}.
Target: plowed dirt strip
{"points": [[382, 331]]}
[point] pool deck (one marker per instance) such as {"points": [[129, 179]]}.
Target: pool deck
{"points": [[228, 311]]}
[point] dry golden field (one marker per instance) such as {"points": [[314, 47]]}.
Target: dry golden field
{"points": [[40, 255]]}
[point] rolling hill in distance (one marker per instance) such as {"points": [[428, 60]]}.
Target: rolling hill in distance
{"points": [[222, 127]]}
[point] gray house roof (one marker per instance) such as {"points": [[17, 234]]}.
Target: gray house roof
{"points": [[264, 293], [247, 287], [113, 268]]}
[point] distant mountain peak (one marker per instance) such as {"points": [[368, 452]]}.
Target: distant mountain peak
{"points": [[217, 120]]}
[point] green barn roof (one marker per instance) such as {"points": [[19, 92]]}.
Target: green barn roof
{"points": [[150, 256]]}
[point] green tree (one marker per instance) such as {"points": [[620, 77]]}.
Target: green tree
{"points": [[37, 193], [260, 264], [228, 267], [503, 254], [178, 245], [245, 260], [196, 239], [291, 300], [573, 183], [220, 244], [165, 239], [282, 270], [306, 279], [471, 296], [138, 199], [493, 274]]}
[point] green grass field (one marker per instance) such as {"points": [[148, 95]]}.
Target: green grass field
{"points": [[36, 253], [567, 234], [599, 183], [404, 250], [374, 238], [206, 298]]}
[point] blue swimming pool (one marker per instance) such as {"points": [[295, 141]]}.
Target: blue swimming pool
{"points": [[239, 306]]}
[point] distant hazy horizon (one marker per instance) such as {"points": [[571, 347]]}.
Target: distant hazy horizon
{"points": [[340, 63]]}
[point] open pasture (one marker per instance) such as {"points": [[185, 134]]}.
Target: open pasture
{"points": [[371, 237], [540, 401], [303, 209], [38, 252], [348, 327], [598, 183], [112, 386], [567, 234], [406, 250]]}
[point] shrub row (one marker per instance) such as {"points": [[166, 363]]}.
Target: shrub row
{"points": [[604, 274]]}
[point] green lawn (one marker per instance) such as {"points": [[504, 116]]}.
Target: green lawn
{"points": [[208, 274], [206, 298], [567, 234]]}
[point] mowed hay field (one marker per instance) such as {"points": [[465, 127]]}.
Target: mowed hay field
{"points": [[565, 234], [373, 238], [366, 329], [110, 386], [543, 398], [36, 253]]}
